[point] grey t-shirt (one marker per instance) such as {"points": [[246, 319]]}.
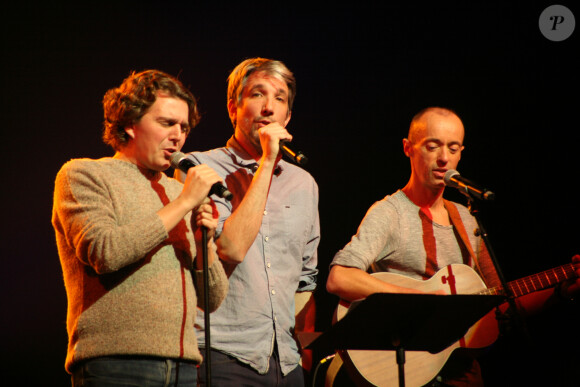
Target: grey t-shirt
{"points": [[396, 236]]}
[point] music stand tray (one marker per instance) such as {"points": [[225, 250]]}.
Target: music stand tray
{"points": [[405, 322]]}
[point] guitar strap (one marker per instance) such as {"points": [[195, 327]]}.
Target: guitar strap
{"points": [[460, 227]]}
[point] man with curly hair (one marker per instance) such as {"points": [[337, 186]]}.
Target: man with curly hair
{"points": [[130, 243]]}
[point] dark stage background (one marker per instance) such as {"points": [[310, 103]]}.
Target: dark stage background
{"points": [[363, 70]]}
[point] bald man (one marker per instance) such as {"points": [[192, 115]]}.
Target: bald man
{"points": [[415, 233]]}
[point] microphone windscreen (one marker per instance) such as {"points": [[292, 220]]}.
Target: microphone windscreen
{"points": [[447, 178], [175, 158]]}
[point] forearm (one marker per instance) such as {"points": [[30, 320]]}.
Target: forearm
{"points": [[351, 284], [173, 213], [218, 286], [242, 226], [211, 254]]}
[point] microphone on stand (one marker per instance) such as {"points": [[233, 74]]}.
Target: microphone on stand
{"points": [[297, 157], [453, 179], [181, 162]]}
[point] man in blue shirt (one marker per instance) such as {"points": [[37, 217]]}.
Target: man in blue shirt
{"points": [[268, 234]]}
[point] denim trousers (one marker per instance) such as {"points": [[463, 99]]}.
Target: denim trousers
{"points": [[129, 371], [226, 371]]}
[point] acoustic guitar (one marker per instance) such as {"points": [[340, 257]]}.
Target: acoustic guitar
{"points": [[380, 368]]}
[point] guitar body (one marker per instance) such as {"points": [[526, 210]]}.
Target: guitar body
{"points": [[380, 368]]}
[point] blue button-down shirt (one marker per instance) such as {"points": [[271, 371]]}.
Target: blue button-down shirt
{"points": [[258, 311]]}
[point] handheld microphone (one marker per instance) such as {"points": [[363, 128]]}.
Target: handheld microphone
{"points": [[453, 179], [181, 162], [298, 157]]}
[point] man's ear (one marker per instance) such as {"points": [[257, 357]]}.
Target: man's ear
{"points": [[288, 118], [407, 147], [232, 110], [130, 130]]}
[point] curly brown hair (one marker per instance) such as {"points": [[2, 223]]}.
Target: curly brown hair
{"points": [[126, 104]]}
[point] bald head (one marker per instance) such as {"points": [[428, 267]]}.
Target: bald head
{"points": [[434, 146], [428, 116]]}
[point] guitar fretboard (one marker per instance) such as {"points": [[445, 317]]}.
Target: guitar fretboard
{"points": [[537, 282]]}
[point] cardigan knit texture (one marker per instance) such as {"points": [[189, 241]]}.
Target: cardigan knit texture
{"points": [[128, 281]]}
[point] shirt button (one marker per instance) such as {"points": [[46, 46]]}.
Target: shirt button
{"points": [[268, 264], [265, 212], [273, 291], [266, 238]]}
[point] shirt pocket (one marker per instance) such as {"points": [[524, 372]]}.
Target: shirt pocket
{"points": [[297, 224]]}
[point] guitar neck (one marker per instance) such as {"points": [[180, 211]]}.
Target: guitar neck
{"points": [[538, 281]]}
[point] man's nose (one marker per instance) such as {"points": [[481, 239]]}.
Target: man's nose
{"points": [[268, 107], [176, 133], [443, 154]]}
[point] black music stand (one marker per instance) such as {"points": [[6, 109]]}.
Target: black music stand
{"points": [[404, 322]]}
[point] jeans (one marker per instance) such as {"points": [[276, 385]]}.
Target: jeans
{"points": [[226, 371], [131, 371]]}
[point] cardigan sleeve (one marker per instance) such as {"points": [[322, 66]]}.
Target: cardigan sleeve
{"points": [[218, 286], [84, 214]]}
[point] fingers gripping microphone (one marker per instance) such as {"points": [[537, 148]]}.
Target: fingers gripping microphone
{"points": [[298, 157], [181, 162], [453, 179]]}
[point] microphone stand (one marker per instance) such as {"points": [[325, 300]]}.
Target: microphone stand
{"points": [[474, 211], [205, 312]]}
